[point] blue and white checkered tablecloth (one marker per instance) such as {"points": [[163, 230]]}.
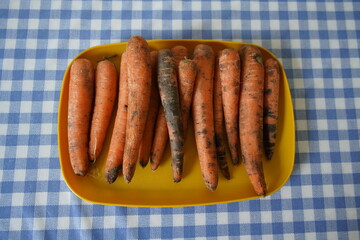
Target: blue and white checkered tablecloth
{"points": [[318, 44]]}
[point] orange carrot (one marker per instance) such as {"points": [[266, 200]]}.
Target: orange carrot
{"points": [[81, 94], [229, 71], [114, 159], [161, 137], [169, 93], [202, 109], [139, 76], [251, 116], [105, 93], [187, 74], [179, 53], [145, 147], [271, 104], [219, 125]]}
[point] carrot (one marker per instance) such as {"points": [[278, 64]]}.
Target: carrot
{"points": [[145, 147], [202, 109], [139, 85], [105, 93], [179, 53], [115, 155], [81, 94], [251, 116], [187, 74], [169, 93], [229, 71], [219, 125], [161, 137], [271, 102]]}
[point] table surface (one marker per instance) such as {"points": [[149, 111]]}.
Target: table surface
{"points": [[318, 45]]}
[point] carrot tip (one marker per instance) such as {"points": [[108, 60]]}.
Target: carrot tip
{"points": [[112, 174], [127, 178], [143, 164], [227, 176], [80, 173], [269, 154], [212, 188], [177, 180]]}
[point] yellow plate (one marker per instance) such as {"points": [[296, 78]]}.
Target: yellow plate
{"points": [[157, 189]]}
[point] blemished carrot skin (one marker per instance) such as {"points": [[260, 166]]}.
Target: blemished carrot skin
{"points": [[115, 155], [179, 53], [251, 116], [105, 94], [203, 117], [219, 125], [80, 104], [161, 137], [271, 105], [186, 74], [139, 85], [229, 71], [169, 93], [145, 147]]}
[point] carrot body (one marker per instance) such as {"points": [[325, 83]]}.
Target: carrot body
{"points": [[219, 125], [271, 105], [251, 117], [115, 155], [169, 93], [139, 83], [145, 147], [187, 73], [105, 94], [179, 53], [161, 137], [229, 71], [81, 94], [202, 109]]}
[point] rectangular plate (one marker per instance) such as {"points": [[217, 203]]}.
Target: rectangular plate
{"points": [[157, 189]]}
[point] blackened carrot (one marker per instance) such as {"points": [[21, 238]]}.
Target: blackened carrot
{"points": [[202, 110], [81, 94], [229, 71], [271, 105], [169, 93], [251, 116], [139, 76], [115, 155]]}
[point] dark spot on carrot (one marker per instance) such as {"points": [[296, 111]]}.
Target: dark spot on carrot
{"points": [[112, 174], [269, 113], [258, 58], [270, 72], [222, 67], [126, 105], [134, 114], [238, 64], [208, 144], [204, 131], [268, 91]]}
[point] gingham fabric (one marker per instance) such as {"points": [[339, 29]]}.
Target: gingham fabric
{"points": [[318, 44]]}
